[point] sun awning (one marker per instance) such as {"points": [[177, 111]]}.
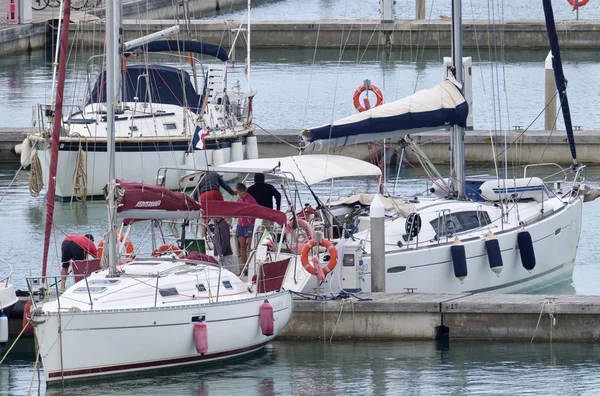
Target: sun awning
{"points": [[306, 169]]}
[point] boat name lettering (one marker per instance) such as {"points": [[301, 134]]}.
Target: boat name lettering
{"points": [[147, 204]]}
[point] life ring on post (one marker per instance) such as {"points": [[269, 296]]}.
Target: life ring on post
{"points": [[576, 4], [125, 242], [361, 89], [298, 245], [168, 249], [333, 256]]}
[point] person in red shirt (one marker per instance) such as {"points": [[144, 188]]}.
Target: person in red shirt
{"points": [[245, 225], [75, 247]]}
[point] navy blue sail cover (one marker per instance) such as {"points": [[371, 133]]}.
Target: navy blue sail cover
{"points": [[196, 47]]}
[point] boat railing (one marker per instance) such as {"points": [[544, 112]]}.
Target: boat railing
{"points": [[546, 179], [6, 279], [47, 286]]}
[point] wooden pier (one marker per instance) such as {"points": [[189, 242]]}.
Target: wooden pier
{"points": [[415, 316]]}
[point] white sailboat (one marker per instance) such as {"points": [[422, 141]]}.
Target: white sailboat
{"points": [[155, 311], [174, 110], [497, 234]]}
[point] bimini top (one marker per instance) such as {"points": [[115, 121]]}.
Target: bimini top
{"points": [[307, 169], [162, 84], [196, 47]]}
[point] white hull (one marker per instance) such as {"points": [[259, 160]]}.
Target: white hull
{"points": [[8, 298], [140, 166], [132, 340], [430, 269]]}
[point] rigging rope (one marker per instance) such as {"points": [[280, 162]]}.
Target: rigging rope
{"points": [[36, 182]]}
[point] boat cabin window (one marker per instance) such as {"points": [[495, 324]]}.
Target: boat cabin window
{"points": [[170, 126], [170, 292], [201, 288], [108, 282], [92, 290], [459, 222], [227, 285]]}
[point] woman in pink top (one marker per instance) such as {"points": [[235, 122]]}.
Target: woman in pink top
{"points": [[245, 225]]}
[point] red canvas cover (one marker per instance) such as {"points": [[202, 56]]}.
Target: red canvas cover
{"points": [[82, 268], [270, 275], [139, 196]]}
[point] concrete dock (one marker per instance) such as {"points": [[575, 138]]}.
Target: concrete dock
{"points": [[529, 147], [414, 316]]}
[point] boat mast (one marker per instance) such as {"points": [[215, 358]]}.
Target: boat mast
{"points": [[56, 126], [111, 99], [248, 52], [559, 77], [458, 132]]}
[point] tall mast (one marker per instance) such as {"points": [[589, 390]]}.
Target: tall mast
{"points": [[458, 132], [559, 77], [248, 53], [111, 99], [56, 125]]}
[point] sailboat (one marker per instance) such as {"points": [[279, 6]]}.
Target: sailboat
{"points": [[8, 299], [174, 111], [154, 311], [470, 235]]}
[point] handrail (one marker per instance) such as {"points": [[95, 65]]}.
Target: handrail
{"points": [[7, 278]]}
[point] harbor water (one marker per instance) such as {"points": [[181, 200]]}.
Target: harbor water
{"points": [[303, 88], [312, 368]]}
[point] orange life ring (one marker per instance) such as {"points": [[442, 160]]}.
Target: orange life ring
{"points": [[128, 248], [333, 256], [361, 89], [298, 245], [579, 3], [168, 249]]}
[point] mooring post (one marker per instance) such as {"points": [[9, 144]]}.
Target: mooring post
{"points": [[550, 96], [378, 271], [419, 9]]}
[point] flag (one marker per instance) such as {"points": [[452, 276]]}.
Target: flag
{"points": [[198, 140]]}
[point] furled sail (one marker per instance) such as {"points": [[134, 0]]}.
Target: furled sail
{"points": [[426, 110]]}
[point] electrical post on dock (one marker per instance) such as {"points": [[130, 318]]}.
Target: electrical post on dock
{"points": [[550, 96], [378, 270], [388, 20]]}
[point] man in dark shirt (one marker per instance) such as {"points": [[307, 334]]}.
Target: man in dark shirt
{"points": [[264, 193], [223, 246], [208, 188]]}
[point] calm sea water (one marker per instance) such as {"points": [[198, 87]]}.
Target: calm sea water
{"points": [[304, 88], [356, 368]]}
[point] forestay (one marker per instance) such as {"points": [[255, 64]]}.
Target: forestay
{"points": [[425, 110], [305, 169]]}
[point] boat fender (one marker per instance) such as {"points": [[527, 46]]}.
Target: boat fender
{"points": [[333, 256], [26, 153], [459, 259], [525, 244], [237, 151], [251, 147], [201, 337], [3, 329], [167, 249], [267, 319], [218, 157], [26, 324], [492, 247]]}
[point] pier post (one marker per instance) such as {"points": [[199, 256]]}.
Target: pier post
{"points": [[419, 9], [549, 96], [378, 271]]}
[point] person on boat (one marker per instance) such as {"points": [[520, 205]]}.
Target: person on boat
{"points": [[264, 193], [245, 225], [209, 190], [73, 248], [223, 245]]}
